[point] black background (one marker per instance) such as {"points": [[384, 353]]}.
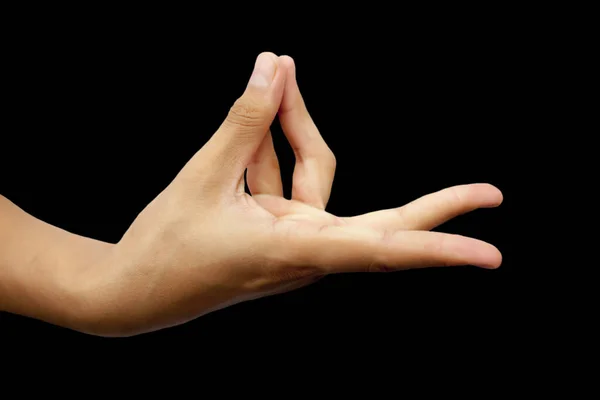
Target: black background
{"points": [[98, 117]]}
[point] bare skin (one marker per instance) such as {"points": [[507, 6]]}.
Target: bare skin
{"points": [[204, 244]]}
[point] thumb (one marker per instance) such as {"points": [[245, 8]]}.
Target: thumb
{"points": [[233, 145]]}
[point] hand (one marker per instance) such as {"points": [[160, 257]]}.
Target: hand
{"points": [[204, 244]]}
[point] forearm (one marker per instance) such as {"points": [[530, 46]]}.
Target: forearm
{"points": [[43, 269]]}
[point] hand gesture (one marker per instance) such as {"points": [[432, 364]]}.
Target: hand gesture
{"points": [[204, 243]]}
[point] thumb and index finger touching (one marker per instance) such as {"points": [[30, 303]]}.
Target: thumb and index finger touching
{"points": [[234, 144], [315, 162], [244, 141]]}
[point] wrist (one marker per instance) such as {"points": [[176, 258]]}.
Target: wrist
{"points": [[142, 288], [56, 284], [107, 294]]}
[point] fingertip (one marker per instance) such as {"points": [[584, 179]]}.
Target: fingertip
{"points": [[287, 61], [494, 260], [268, 54], [290, 66], [500, 196], [488, 195], [495, 194], [499, 263], [279, 80], [292, 91], [487, 255], [267, 75], [476, 252]]}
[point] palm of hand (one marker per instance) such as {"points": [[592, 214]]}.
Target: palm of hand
{"points": [[399, 237], [375, 242], [381, 241]]}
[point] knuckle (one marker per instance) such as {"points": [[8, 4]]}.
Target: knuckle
{"points": [[289, 273], [381, 262], [330, 158], [248, 113], [437, 248], [324, 156], [378, 266], [406, 219], [455, 197], [288, 260], [273, 161]]}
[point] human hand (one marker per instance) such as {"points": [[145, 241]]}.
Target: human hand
{"points": [[204, 244]]}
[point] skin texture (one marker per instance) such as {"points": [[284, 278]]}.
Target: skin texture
{"points": [[204, 244]]}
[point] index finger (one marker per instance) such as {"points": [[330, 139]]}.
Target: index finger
{"points": [[315, 162]]}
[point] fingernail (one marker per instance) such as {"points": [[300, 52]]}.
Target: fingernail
{"points": [[264, 70]]}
